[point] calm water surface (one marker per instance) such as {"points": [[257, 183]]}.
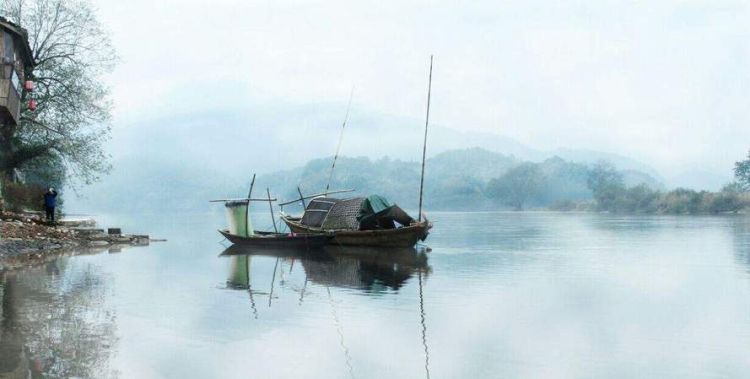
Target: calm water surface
{"points": [[511, 295]]}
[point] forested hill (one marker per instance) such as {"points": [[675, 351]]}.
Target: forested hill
{"points": [[465, 179], [454, 180]]}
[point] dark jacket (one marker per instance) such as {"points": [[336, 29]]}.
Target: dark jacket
{"points": [[50, 199]]}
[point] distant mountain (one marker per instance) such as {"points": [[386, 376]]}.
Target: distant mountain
{"points": [[182, 161], [619, 161], [140, 184], [269, 139], [454, 179]]}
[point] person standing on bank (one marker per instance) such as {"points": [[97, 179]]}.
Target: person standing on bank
{"points": [[50, 201]]}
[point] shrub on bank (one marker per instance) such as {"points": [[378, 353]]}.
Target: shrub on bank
{"points": [[572, 206], [642, 199], [19, 197], [638, 199], [684, 201], [731, 199]]}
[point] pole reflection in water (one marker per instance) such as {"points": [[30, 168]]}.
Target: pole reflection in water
{"points": [[422, 317], [273, 279], [302, 292], [340, 331], [369, 270]]}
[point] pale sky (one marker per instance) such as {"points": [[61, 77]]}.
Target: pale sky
{"points": [[667, 83]]}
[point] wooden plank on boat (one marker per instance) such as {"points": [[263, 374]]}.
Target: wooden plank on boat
{"points": [[279, 240], [406, 236], [244, 199]]}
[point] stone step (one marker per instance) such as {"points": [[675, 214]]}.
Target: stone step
{"points": [[87, 230], [89, 222]]}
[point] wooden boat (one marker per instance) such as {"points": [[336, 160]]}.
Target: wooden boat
{"points": [[406, 236], [241, 232], [349, 235], [279, 240]]}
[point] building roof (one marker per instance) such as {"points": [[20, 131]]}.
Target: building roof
{"points": [[21, 35]]}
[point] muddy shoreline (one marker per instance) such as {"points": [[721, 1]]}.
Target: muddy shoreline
{"points": [[26, 239]]}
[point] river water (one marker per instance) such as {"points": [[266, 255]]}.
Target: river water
{"points": [[501, 295]]}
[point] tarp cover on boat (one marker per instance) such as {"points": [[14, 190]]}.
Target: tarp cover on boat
{"points": [[372, 212], [373, 204], [317, 211], [377, 213]]}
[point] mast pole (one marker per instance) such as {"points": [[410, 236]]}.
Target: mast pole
{"points": [[270, 206], [247, 209], [341, 137], [424, 145], [301, 197]]}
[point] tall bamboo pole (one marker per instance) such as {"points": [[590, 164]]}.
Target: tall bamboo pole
{"points": [[341, 137], [247, 209], [270, 206], [424, 145], [301, 197]]}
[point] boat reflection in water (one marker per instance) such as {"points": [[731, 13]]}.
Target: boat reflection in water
{"points": [[368, 269], [363, 268]]}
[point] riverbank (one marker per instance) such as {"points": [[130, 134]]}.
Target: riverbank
{"points": [[25, 238]]}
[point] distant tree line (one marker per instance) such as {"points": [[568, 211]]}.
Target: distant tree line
{"points": [[611, 194], [461, 180], [468, 179], [541, 184], [560, 185]]}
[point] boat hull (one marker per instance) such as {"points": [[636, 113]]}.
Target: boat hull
{"points": [[279, 240], [406, 236]]}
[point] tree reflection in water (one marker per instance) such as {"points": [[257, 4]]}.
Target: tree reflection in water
{"points": [[56, 322], [741, 241]]}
